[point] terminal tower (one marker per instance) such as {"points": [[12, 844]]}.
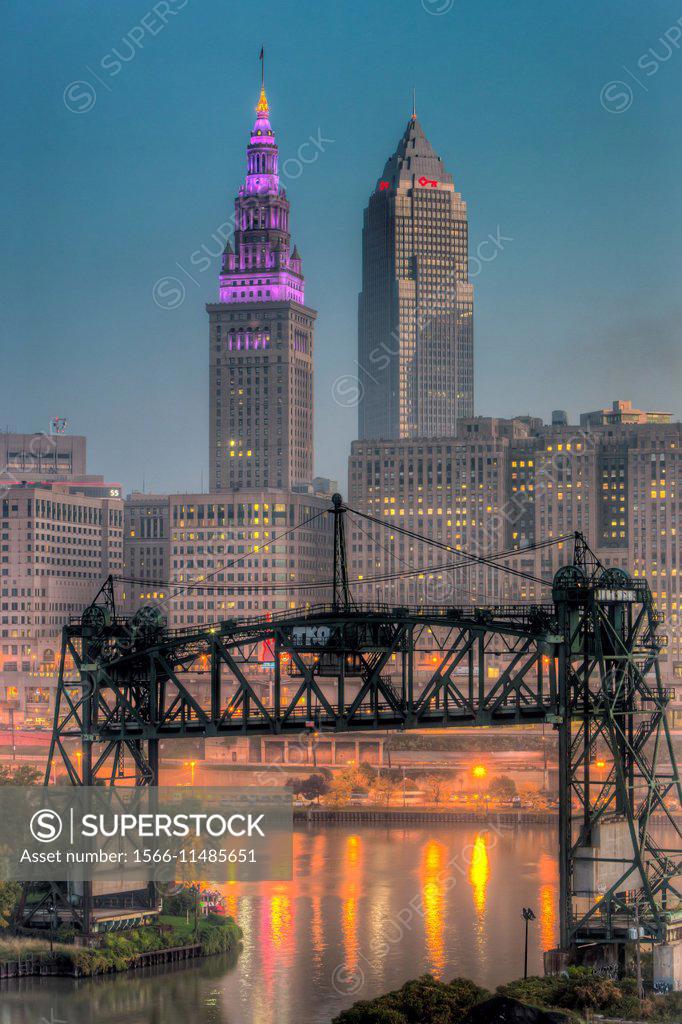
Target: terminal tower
{"points": [[261, 337]]}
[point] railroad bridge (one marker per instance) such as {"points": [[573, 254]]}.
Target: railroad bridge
{"points": [[586, 662]]}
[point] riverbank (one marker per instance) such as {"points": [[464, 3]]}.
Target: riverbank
{"points": [[173, 940], [576, 997], [421, 816]]}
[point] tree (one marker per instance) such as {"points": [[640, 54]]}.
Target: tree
{"points": [[435, 786], [9, 895], [383, 789], [366, 774], [21, 775], [502, 788], [341, 788], [424, 999], [295, 785], [531, 794], [314, 787]]}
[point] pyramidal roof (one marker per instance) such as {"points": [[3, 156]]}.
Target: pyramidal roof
{"points": [[415, 156]]}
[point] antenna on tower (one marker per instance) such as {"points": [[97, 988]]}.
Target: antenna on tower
{"points": [[414, 103]]}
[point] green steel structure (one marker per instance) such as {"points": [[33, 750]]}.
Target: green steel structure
{"points": [[586, 663]]}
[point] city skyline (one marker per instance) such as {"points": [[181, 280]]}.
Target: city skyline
{"points": [[341, 482], [536, 295]]}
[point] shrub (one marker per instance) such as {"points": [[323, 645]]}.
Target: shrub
{"points": [[423, 1001]]}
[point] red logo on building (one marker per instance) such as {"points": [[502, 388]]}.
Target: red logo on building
{"points": [[383, 185], [427, 181]]}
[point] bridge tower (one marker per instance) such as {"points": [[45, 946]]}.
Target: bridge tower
{"points": [[588, 663], [619, 869]]}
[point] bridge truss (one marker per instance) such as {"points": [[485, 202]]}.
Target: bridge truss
{"points": [[587, 663]]}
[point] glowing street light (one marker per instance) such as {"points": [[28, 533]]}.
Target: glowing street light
{"points": [[479, 771], [191, 765], [600, 765]]}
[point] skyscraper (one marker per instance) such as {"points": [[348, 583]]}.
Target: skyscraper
{"points": [[415, 315], [501, 487], [62, 534], [261, 338]]}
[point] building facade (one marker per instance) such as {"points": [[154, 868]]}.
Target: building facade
{"points": [[40, 456], [415, 311], [623, 413], [146, 549], [261, 338], [58, 545], [502, 487], [210, 556], [230, 558]]}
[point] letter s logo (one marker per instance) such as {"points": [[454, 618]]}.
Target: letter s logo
{"points": [[46, 826]]}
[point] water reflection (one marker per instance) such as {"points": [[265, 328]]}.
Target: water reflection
{"points": [[346, 906], [351, 890], [548, 871], [434, 856], [479, 877], [479, 873], [317, 861]]}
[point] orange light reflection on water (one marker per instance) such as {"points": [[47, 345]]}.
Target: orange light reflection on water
{"points": [[479, 872], [433, 903], [317, 884], [548, 870], [350, 895], [479, 877]]}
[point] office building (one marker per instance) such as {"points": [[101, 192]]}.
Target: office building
{"points": [[261, 338], [58, 545], [415, 313], [501, 487]]}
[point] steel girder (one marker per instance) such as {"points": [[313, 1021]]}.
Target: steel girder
{"points": [[588, 664], [612, 682], [347, 671]]}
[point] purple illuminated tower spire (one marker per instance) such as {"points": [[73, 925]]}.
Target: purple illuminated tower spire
{"points": [[261, 340], [261, 265]]}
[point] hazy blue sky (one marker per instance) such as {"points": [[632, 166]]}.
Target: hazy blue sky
{"points": [[109, 185]]}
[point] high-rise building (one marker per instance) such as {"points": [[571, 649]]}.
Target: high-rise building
{"points": [[41, 456], [261, 338], [61, 533], [622, 412], [501, 487], [208, 556], [49, 459], [58, 545], [146, 547], [415, 313], [245, 554]]}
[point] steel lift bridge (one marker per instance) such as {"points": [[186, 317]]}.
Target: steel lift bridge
{"points": [[587, 662]]}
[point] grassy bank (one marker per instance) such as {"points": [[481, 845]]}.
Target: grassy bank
{"points": [[121, 951], [580, 996]]}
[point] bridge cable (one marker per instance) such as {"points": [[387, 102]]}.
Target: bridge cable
{"points": [[225, 565], [320, 584], [448, 547]]}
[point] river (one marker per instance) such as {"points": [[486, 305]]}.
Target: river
{"points": [[368, 908]]}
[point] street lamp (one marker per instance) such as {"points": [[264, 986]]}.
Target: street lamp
{"points": [[52, 912], [528, 915], [600, 765]]}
